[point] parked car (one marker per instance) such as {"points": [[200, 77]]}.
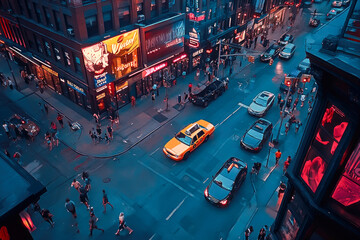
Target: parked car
{"points": [[226, 182], [188, 139], [333, 12], [304, 66], [21, 123], [270, 53], [208, 93], [296, 74], [288, 51], [256, 136], [314, 22], [285, 39], [337, 3], [261, 104], [345, 3]]}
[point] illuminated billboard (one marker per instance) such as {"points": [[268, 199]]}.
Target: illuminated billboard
{"points": [[112, 58]]}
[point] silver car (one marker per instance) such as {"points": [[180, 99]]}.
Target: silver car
{"points": [[288, 51], [261, 104]]}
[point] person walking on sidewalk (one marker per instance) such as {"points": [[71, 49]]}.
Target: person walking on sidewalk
{"points": [[93, 137], [278, 98], [122, 224], [56, 139], [282, 188], [92, 223], [277, 157], [70, 207], [153, 97], [6, 129], [106, 201], [76, 184], [60, 120], [47, 216], [7, 153], [297, 125], [190, 88], [179, 99], [84, 197], [262, 234], [17, 157], [110, 132], [133, 101], [248, 232], [286, 164], [53, 128], [10, 83], [185, 97], [48, 140]]}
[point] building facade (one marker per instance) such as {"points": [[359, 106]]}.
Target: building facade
{"points": [[322, 199]]}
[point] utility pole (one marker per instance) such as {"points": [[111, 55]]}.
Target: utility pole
{"points": [[218, 62], [276, 140]]}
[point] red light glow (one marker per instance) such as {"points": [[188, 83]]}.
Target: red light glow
{"points": [[206, 193], [179, 58], [313, 171], [223, 202]]}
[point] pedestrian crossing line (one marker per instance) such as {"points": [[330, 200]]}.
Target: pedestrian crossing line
{"points": [[166, 179], [175, 209], [240, 106]]}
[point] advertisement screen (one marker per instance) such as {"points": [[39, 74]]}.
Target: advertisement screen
{"points": [[163, 41], [112, 58]]}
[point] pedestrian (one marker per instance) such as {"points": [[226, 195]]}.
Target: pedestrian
{"points": [[302, 99], [185, 97], [98, 129], [60, 120], [76, 184], [56, 139], [17, 156], [96, 118], [110, 132], [92, 137], [179, 99], [70, 207], [287, 127], [230, 71], [297, 125], [282, 102], [53, 128], [286, 164], [248, 232], [106, 201], [262, 234], [47, 216], [309, 110], [277, 157], [197, 74], [153, 97], [48, 140], [10, 83], [92, 223], [154, 87], [190, 88], [122, 224], [133, 101], [282, 188], [7, 153], [6, 129], [84, 197], [107, 139], [278, 98]]}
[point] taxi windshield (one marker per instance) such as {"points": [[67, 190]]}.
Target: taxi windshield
{"points": [[183, 138]]}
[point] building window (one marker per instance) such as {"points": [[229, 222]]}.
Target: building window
{"points": [[67, 58], [139, 8], [92, 26], [47, 48], [327, 137], [165, 6], [153, 8], [38, 44], [28, 8], [124, 16], [57, 20], [47, 17], [57, 53], [77, 64], [37, 13], [108, 24], [68, 25]]}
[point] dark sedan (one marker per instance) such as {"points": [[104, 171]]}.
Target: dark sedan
{"points": [[208, 93], [285, 39], [226, 182], [255, 137], [270, 53]]}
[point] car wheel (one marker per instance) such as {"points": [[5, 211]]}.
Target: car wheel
{"points": [[186, 156], [206, 139]]}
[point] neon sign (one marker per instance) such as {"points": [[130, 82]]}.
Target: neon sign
{"points": [[179, 58], [151, 70]]}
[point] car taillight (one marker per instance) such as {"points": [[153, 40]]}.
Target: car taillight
{"points": [[257, 148], [223, 202], [206, 192]]}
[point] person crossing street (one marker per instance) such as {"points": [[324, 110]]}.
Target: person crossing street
{"points": [[277, 157]]}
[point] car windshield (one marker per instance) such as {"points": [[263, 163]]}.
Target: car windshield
{"points": [[260, 101], [271, 51], [224, 182], [183, 138], [287, 50], [255, 134]]}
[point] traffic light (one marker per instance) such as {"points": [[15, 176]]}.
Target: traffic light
{"points": [[305, 78], [271, 61], [287, 81], [251, 59]]}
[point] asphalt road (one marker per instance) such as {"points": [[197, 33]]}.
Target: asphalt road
{"points": [[164, 199]]}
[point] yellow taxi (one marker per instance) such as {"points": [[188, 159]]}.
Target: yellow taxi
{"points": [[188, 139]]}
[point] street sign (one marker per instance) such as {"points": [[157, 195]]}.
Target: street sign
{"points": [[271, 144]]}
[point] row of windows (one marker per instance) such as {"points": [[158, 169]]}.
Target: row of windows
{"points": [[55, 52]]}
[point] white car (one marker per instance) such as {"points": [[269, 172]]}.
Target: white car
{"points": [[288, 51], [337, 3], [261, 104]]}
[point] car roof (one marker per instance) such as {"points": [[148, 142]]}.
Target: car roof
{"points": [[289, 45], [265, 95], [295, 73], [261, 122]]}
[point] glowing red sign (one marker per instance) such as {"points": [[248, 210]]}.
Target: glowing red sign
{"points": [[197, 18], [179, 58], [151, 70]]}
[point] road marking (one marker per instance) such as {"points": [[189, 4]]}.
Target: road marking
{"points": [[154, 151], [175, 209], [268, 174], [240, 106], [139, 136], [205, 180], [243, 105], [152, 236], [167, 179]]}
